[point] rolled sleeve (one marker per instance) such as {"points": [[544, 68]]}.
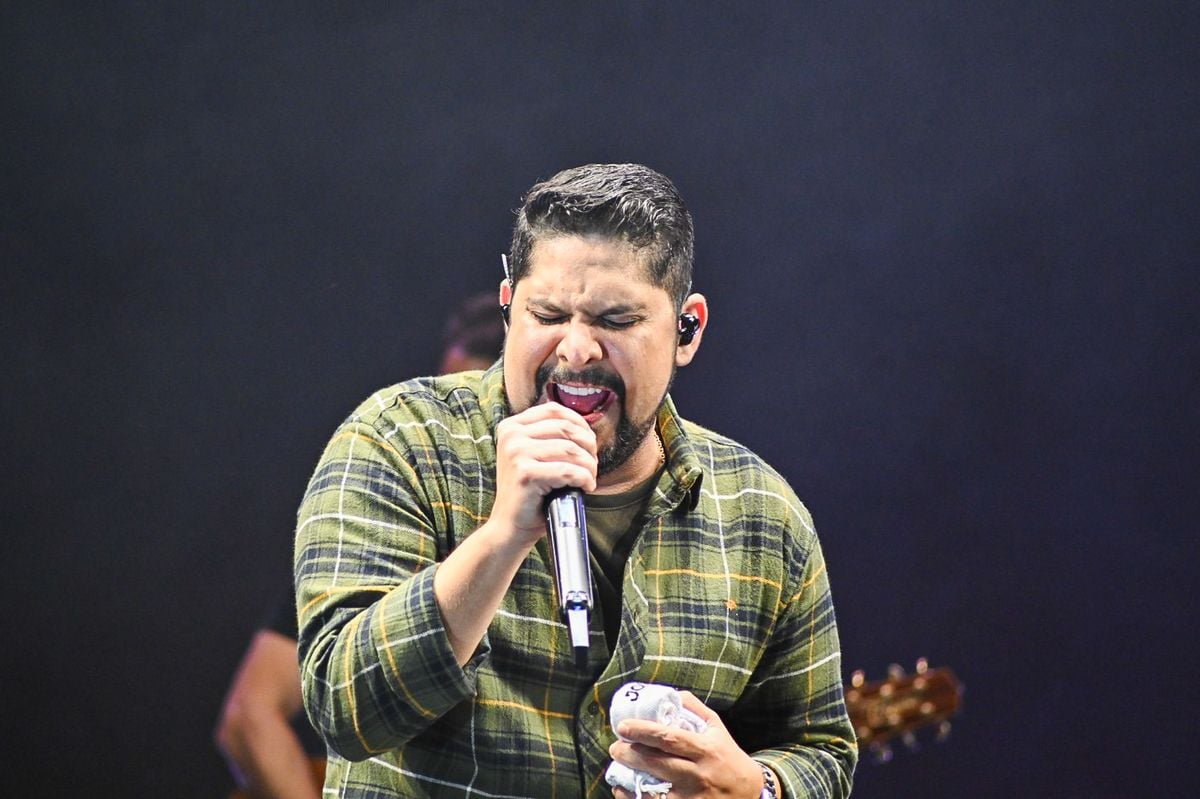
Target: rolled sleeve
{"points": [[377, 665], [799, 683]]}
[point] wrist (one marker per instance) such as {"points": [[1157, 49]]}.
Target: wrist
{"points": [[505, 539], [770, 785]]}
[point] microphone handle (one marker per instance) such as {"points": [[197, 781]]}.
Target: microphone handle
{"points": [[567, 527]]}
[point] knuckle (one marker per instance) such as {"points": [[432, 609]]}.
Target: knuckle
{"points": [[505, 430], [668, 738]]}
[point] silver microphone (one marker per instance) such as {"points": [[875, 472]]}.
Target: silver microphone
{"points": [[567, 528]]}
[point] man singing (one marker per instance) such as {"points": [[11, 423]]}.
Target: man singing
{"points": [[434, 656]]}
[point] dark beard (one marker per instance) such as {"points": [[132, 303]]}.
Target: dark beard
{"points": [[629, 434], [628, 438]]}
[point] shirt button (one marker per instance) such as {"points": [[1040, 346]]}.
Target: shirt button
{"points": [[593, 709]]}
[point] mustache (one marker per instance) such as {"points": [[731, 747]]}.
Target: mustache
{"points": [[594, 376]]}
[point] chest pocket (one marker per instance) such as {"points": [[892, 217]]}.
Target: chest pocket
{"points": [[700, 613]]}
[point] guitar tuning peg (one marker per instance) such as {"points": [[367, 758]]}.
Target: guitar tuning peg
{"points": [[881, 753], [943, 731], [910, 740], [896, 671], [922, 665]]}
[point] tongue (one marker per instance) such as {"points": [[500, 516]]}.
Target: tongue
{"points": [[584, 405]]}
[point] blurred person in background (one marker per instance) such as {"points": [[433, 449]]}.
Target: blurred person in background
{"points": [[271, 749]]}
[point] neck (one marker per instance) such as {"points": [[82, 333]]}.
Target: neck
{"points": [[646, 460]]}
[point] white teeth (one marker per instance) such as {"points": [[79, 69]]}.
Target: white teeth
{"points": [[579, 391]]}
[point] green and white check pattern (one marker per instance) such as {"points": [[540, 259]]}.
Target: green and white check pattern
{"points": [[725, 594]]}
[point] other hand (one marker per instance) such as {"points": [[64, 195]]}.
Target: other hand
{"points": [[708, 764]]}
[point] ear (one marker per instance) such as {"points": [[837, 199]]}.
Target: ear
{"points": [[697, 306], [506, 295]]}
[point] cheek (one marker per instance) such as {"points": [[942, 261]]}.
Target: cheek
{"points": [[524, 354], [529, 345], [645, 369]]}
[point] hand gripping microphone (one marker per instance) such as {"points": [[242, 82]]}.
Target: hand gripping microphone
{"points": [[567, 528]]}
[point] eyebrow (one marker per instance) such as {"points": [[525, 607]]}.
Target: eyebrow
{"points": [[617, 309]]}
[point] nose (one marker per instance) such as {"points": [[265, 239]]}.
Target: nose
{"points": [[579, 345]]}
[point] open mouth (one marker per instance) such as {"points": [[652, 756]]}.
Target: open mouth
{"points": [[584, 400]]}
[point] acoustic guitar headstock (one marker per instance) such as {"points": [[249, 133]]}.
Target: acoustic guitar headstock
{"points": [[898, 706]]}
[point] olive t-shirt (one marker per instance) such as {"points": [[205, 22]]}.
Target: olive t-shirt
{"points": [[612, 528]]}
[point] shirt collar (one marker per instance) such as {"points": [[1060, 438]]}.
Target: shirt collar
{"points": [[683, 475]]}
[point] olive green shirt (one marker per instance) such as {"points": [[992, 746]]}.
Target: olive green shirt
{"points": [[724, 593]]}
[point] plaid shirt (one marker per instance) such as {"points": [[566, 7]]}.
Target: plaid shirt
{"points": [[725, 594]]}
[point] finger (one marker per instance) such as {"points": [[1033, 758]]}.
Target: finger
{"points": [[667, 740], [549, 429], [660, 765], [551, 449], [537, 460], [547, 441], [549, 475], [543, 426], [549, 410]]}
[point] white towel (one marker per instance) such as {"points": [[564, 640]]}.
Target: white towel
{"points": [[658, 703]]}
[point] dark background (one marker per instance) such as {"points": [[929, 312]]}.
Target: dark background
{"points": [[950, 254]]}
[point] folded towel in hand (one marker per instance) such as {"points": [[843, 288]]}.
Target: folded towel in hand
{"points": [[653, 702]]}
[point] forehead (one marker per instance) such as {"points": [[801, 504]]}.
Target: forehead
{"points": [[587, 265]]}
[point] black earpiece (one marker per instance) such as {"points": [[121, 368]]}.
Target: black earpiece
{"points": [[688, 325], [504, 312]]}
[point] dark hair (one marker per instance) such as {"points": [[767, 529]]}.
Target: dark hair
{"points": [[475, 327], [629, 202]]}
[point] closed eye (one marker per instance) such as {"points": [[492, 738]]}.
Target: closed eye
{"points": [[608, 322]]}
